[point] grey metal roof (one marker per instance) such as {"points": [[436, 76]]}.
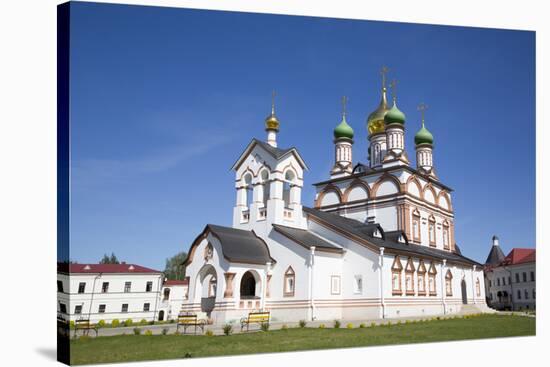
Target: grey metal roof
{"points": [[495, 257], [307, 238], [277, 153], [388, 240], [240, 245]]}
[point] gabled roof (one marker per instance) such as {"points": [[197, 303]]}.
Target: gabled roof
{"points": [[307, 238], [276, 153], [362, 232], [238, 245], [495, 257], [104, 268], [520, 256]]}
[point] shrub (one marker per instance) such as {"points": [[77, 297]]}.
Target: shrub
{"points": [[372, 324], [389, 323], [128, 322], [302, 323], [322, 326], [177, 333], [349, 326], [187, 355], [284, 327], [143, 322], [172, 321], [336, 324], [361, 325], [153, 322], [209, 332], [148, 332], [137, 331], [398, 322], [438, 318], [265, 326], [115, 323], [71, 324], [164, 331], [227, 329]]}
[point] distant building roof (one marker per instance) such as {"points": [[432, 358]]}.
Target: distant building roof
{"points": [[277, 153], [495, 257], [175, 283], [520, 256], [375, 236], [104, 268]]}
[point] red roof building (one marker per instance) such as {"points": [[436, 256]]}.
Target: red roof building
{"points": [[520, 256], [105, 269]]}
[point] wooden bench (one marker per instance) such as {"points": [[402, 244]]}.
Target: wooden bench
{"points": [[255, 318], [186, 321], [85, 325]]}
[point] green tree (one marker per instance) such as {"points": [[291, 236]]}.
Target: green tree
{"points": [[109, 259], [174, 269]]}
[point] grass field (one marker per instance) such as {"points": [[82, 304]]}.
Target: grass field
{"points": [[125, 348]]}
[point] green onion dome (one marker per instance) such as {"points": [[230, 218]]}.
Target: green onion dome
{"points": [[343, 130], [394, 116], [423, 136]]}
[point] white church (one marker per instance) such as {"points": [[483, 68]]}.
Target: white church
{"points": [[378, 242]]}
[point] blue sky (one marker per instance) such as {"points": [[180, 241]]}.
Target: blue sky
{"points": [[164, 100]]}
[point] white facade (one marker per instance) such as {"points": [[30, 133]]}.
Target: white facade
{"points": [[318, 269], [512, 287], [121, 295]]}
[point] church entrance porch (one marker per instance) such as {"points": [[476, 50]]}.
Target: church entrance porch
{"points": [[250, 291]]}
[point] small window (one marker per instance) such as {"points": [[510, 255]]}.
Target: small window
{"points": [[532, 276], [60, 286], [334, 284], [526, 293], [78, 309], [146, 307], [127, 287], [534, 293], [358, 286], [498, 282], [524, 276], [166, 294], [509, 280], [105, 287], [63, 307], [478, 288], [519, 294], [517, 277], [124, 307], [149, 287], [449, 283], [101, 309], [81, 287], [289, 282]]}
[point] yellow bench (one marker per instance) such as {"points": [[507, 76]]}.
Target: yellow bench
{"points": [[85, 325], [186, 321], [255, 318]]}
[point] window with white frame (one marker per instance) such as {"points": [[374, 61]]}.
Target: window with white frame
{"points": [[396, 271], [335, 284], [409, 277], [478, 288], [431, 230], [421, 275], [432, 286], [449, 283], [416, 225]]}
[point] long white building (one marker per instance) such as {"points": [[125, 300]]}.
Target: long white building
{"points": [[117, 291], [379, 240]]}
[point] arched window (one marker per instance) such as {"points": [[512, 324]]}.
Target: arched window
{"points": [[212, 287], [478, 288], [289, 179], [396, 270], [432, 286], [289, 282], [431, 230], [446, 235], [266, 186], [449, 283], [248, 285], [166, 294], [409, 277], [416, 226], [421, 274], [248, 189]]}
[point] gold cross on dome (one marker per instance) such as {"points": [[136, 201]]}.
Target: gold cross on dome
{"points": [[383, 71], [344, 101], [422, 108], [273, 102], [393, 86]]}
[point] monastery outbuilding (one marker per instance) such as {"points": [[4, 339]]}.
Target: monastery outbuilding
{"points": [[378, 242]]}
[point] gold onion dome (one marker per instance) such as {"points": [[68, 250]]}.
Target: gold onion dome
{"points": [[375, 121], [271, 121]]}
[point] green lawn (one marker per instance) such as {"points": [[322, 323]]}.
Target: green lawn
{"points": [[141, 347]]}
